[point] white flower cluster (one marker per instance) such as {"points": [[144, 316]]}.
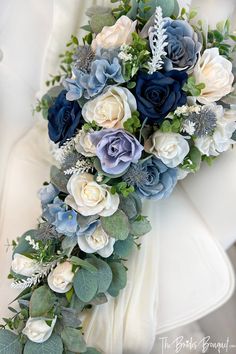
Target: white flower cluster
{"points": [[186, 110]]}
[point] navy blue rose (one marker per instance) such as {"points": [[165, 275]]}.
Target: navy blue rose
{"points": [[63, 119], [152, 179], [160, 93]]}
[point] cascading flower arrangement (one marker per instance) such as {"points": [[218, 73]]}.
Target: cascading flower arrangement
{"points": [[138, 106]]}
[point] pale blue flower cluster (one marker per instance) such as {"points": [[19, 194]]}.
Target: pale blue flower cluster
{"points": [[105, 67], [65, 220]]}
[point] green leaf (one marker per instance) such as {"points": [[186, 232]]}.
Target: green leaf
{"points": [[99, 299], [130, 205], [83, 263], [195, 156], [119, 278], [116, 225], [42, 301], [23, 246], [53, 345], [85, 284], [70, 317], [59, 179], [73, 340], [98, 21], [218, 36], [124, 248], [103, 275], [9, 342], [140, 227], [91, 350]]}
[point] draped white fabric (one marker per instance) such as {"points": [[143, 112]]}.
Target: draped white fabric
{"points": [[181, 272]]}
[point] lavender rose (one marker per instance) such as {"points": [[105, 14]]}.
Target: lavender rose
{"points": [[116, 149]]}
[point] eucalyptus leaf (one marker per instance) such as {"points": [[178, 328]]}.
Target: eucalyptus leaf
{"points": [[68, 244], [99, 299], [131, 205], [59, 179], [103, 275], [70, 317], [9, 342], [99, 20], [42, 301], [91, 350], [119, 278], [124, 248], [116, 225], [84, 264], [53, 345], [77, 304], [85, 284], [73, 340], [140, 227]]}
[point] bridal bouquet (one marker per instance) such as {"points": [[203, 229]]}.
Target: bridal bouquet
{"points": [[134, 109]]}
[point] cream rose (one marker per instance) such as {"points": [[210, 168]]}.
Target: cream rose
{"points": [[60, 278], [90, 198], [97, 241], [84, 145], [170, 148], [111, 109], [24, 265], [215, 72], [37, 330], [220, 140], [116, 35]]}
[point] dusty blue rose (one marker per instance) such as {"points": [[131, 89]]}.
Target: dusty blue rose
{"points": [[106, 66], [152, 179], [116, 149], [160, 93], [183, 45]]}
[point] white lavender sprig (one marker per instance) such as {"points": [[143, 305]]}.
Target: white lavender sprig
{"points": [[81, 166], [157, 39]]}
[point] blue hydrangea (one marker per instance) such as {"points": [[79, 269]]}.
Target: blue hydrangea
{"points": [[50, 210], [106, 66], [66, 222], [47, 193], [151, 178]]}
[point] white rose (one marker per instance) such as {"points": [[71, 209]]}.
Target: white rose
{"points": [[215, 72], [221, 140], [24, 265], [60, 278], [170, 148], [98, 242], [111, 109], [90, 198], [116, 35], [37, 330], [84, 145]]}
